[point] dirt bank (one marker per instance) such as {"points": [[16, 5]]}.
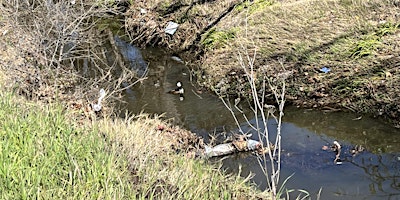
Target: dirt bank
{"points": [[342, 54]]}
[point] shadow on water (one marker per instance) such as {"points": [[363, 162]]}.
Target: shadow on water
{"points": [[371, 174]]}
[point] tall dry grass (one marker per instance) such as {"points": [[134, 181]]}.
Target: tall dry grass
{"points": [[159, 172]]}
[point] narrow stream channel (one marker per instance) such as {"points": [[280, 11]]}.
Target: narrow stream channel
{"points": [[371, 174]]}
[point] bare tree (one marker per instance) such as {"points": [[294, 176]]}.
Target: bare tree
{"points": [[69, 38], [261, 83]]}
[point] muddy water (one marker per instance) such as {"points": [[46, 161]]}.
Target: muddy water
{"points": [[371, 174]]}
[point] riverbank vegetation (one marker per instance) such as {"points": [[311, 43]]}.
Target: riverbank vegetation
{"points": [[342, 54], [55, 146], [339, 54], [46, 155]]}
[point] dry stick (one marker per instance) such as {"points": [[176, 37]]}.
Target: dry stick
{"points": [[232, 113], [248, 122], [250, 77], [121, 63], [280, 99], [115, 49]]}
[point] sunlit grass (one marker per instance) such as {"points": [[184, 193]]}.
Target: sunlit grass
{"points": [[162, 173], [304, 32], [43, 157]]}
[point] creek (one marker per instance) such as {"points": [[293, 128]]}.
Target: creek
{"points": [[370, 174]]}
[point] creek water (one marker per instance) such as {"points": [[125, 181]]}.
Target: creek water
{"points": [[371, 174]]}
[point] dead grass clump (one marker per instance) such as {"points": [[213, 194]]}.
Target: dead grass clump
{"points": [[146, 21], [159, 172]]}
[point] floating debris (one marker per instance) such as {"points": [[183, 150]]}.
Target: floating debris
{"points": [[232, 147], [171, 28], [177, 59], [241, 143], [179, 90], [357, 149], [219, 150], [337, 148]]}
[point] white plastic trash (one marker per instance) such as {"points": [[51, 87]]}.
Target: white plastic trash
{"points": [[219, 150], [171, 28], [97, 107], [253, 144]]}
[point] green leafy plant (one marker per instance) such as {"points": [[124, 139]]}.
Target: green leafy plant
{"points": [[387, 28], [366, 46]]}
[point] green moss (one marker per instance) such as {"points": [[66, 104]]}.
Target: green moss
{"points": [[213, 38]]}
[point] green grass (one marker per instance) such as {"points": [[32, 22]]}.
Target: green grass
{"points": [[365, 46], [43, 157], [46, 156], [215, 38]]}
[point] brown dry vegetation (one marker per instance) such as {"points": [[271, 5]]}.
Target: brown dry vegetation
{"points": [[158, 172], [358, 40], [146, 21]]}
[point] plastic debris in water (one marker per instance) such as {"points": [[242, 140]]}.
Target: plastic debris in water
{"points": [[337, 148], [325, 70], [219, 150], [97, 107], [171, 28], [253, 144]]}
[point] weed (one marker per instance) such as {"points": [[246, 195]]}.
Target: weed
{"points": [[214, 38], [365, 46], [387, 28]]}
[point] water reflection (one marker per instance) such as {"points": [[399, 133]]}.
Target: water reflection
{"points": [[372, 174], [374, 134], [199, 111], [365, 175]]}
